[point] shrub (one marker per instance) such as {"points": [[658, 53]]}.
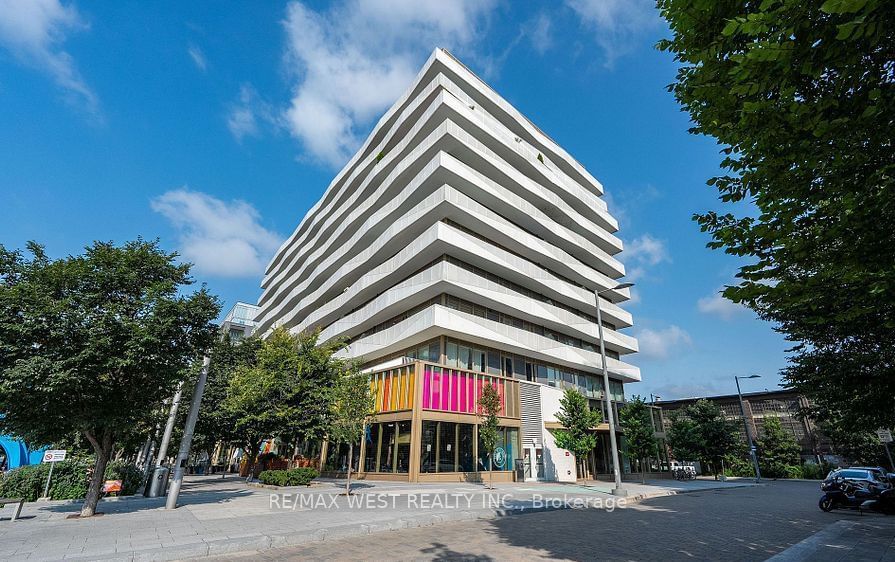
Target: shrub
{"points": [[293, 477], [812, 471], [70, 479], [130, 475]]}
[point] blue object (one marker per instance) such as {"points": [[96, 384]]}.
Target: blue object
{"points": [[18, 454]]}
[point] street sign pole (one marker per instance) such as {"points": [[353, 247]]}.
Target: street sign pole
{"points": [[49, 477], [52, 456]]}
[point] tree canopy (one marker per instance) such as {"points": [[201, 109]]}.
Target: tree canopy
{"points": [[578, 421], [778, 451], [92, 344], [801, 97], [701, 432], [636, 420], [351, 406], [285, 392], [489, 408]]}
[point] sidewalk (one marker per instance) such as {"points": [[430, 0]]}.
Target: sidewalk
{"points": [[219, 516], [864, 538]]}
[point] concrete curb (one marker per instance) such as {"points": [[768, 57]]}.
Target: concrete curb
{"points": [[266, 542]]}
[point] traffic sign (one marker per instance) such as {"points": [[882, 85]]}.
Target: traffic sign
{"points": [[54, 455], [885, 435]]}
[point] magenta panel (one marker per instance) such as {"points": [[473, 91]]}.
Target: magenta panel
{"points": [[445, 391], [427, 375], [455, 376], [436, 390]]}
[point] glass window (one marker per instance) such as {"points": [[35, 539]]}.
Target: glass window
{"points": [[387, 449], [402, 459], [512, 446], [478, 360], [435, 351], [500, 450], [493, 363], [508, 366], [427, 450], [464, 447], [447, 446], [372, 442], [465, 357], [542, 374], [452, 354], [519, 367]]}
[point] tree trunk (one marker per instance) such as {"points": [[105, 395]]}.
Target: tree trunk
{"points": [[490, 473], [251, 457], [642, 472], [350, 458], [103, 450]]}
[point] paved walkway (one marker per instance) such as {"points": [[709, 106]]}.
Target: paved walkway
{"points": [[862, 539], [730, 525], [225, 515]]}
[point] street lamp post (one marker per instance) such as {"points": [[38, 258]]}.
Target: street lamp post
{"points": [[613, 442], [752, 452]]}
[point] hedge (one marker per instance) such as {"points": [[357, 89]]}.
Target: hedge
{"points": [[70, 479], [292, 477]]}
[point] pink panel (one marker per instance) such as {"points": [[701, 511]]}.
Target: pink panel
{"points": [[463, 391], [427, 375], [436, 390], [455, 383], [478, 388], [445, 391]]}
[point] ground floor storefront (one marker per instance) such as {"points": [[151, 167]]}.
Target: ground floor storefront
{"points": [[426, 429]]}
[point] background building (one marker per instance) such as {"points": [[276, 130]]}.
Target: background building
{"points": [[460, 246], [239, 321], [782, 404]]}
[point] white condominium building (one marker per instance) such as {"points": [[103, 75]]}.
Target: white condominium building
{"points": [[460, 246]]}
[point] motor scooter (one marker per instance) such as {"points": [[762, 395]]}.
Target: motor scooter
{"points": [[839, 493]]}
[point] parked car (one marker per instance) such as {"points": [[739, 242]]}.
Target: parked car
{"points": [[879, 471], [862, 477]]}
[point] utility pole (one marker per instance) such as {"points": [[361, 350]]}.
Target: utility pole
{"points": [[169, 426], [746, 425], [187, 440], [613, 440]]}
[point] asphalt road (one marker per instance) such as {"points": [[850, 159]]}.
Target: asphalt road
{"points": [[737, 524]]}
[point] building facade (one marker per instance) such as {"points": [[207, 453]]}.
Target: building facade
{"points": [[782, 404], [460, 246]]}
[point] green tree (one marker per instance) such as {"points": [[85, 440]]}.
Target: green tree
{"points": [[636, 420], [215, 422], [701, 432], [778, 451], [800, 96], [351, 406], [489, 408], [285, 392], [578, 422], [92, 344], [861, 448]]}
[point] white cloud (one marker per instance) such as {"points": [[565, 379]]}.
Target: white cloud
{"points": [[195, 53], [246, 116], [617, 24], [644, 252], [353, 60], [223, 239], [662, 343], [540, 32], [717, 305], [34, 31]]}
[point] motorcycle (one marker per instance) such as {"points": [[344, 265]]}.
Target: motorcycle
{"points": [[842, 494]]}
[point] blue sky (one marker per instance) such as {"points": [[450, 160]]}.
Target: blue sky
{"points": [[216, 129]]}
